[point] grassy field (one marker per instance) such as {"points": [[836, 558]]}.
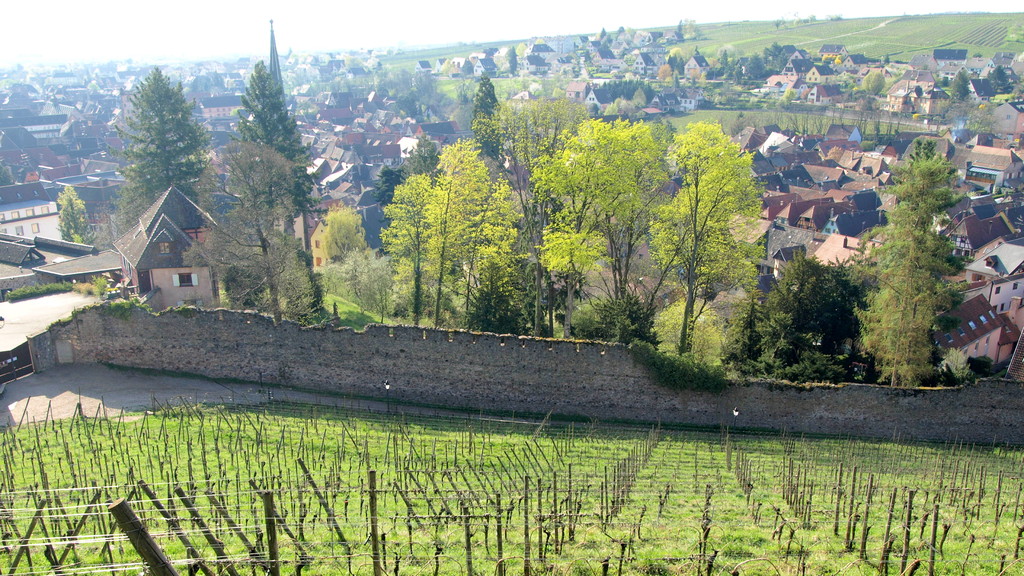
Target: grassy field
{"points": [[483, 496]]}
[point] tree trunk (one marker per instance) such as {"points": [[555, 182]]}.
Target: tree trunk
{"points": [[417, 294], [268, 271], [538, 311]]}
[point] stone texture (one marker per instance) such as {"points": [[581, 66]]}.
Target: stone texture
{"points": [[520, 374]]}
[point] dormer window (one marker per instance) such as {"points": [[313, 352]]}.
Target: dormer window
{"points": [[165, 247]]}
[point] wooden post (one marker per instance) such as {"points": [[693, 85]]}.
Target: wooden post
{"points": [[374, 531], [935, 529], [526, 526], [501, 557], [175, 525], [270, 522], [23, 541], [204, 528], [906, 531], [864, 530], [130, 524], [469, 540]]}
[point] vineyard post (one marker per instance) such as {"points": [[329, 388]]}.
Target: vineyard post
{"points": [[469, 539], [906, 531], [143, 543], [501, 558], [23, 544], [374, 532], [270, 521], [931, 545], [175, 526], [867, 509], [526, 526]]}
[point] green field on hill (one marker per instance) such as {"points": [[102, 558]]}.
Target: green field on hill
{"points": [[462, 496], [899, 37]]}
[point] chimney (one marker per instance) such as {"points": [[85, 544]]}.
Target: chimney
{"points": [[846, 240]]}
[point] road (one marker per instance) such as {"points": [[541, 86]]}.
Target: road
{"points": [[34, 315]]}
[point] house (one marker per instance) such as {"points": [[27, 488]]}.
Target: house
{"points": [[576, 90], [843, 132], [697, 66], [981, 89], [646, 65], [537, 65], [820, 74], [979, 331], [854, 63], [829, 52], [990, 168], [1006, 259], [945, 56], [825, 94], [1009, 119], [423, 67], [219, 106], [606, 61], [28, 210], [797, 68], [485, 66], [152, 254]]}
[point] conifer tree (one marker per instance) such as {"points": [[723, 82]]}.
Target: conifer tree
{"points": [[74, 224]]}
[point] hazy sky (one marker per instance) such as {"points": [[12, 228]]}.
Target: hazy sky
{"points": [[61, 31]]}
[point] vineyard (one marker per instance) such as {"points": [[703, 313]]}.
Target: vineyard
{"points": [[303, 489]]}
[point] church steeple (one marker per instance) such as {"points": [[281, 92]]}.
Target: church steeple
{"points": [[275, 63]]}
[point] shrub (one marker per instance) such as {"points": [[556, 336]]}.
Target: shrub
{"points": [[123, 309], [38, 290], [678, 372]]}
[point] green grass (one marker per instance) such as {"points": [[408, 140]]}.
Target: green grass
{"points": [[349, 314], [641, 497]]}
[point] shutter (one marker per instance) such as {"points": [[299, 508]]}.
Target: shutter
{"points": [[195, 280], [174, 278]]}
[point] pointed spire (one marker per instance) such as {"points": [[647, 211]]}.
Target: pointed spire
{"points": [[275, 62]]}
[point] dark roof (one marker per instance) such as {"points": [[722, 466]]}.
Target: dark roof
{"points": [[700, 60], [950, 54], [106, 261], [165, 221], [831, 48], [856, 223], [19, 254], [982, 87], [23, 193], [234, 100]]}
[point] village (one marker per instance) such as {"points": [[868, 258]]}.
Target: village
{"points": [[824, 193]]}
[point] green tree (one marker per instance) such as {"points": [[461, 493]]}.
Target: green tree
{"points": [[405, 238], [163, 144], [496, 301], [693, 232], [531, 133], [911, 266], [423, 159], [260, 263], [6, 179], [873, 83], [387, 180], [1000, 80], [74, 222], [344, 233], [265, 120], [961, 88], [513, 62], [370, 281], [484, 126]]}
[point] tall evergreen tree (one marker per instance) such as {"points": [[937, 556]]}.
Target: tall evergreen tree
{"points": [[164, 145], [265, 120], [6, 178], [960, 87], [485, 128], [513, 61], [911, 265]]}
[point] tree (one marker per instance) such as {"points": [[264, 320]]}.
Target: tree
{"points": [[370, 281], [423, 159], [163, 144], [693, 232], [344, 233], [265, 120], [961, 88], [387, 180], [74, 222], [513, 62], [6, 179], [260, 264], [1000, 80], [485, 129], [532, 132], [902, 312], [873, 83], [405, 238]]}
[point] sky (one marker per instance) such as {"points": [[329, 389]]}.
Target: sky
{"points": [[66, 32]]}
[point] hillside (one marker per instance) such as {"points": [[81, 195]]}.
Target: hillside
{"points": [[899, 37]]}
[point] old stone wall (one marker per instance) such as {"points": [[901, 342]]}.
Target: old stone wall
{"points": [[508, 373]]}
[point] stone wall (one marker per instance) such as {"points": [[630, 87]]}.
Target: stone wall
{"points": [[508, 373]]}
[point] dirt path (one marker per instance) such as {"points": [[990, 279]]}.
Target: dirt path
{"points": [[105, 392]]}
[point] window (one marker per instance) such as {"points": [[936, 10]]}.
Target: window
{"points": [[19, 230], [165, 247], [998, 288], [35, 228], [317, 243], [983, 319], [971, 324], [186, 280], [1002, 306], [1015, 285], [45, 210], [30, 212], [961, 330], [948, 337], [15, 215]]}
